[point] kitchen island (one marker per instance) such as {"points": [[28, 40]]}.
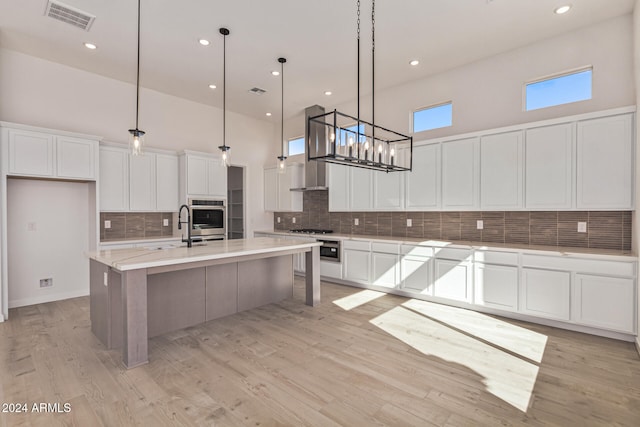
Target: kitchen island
{"points": [[139, 293]]}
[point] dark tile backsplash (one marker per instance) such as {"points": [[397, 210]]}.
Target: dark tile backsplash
{"points": [[135, 225], [605, 229]]}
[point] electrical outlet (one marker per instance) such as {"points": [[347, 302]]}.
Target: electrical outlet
{"points": [[409, 222], [106, 278], [32, 226], [294, 220], [479, 224], [278, 220], [165, 222], [356, 221], [107, 224], [46, 283], [582, 227]]}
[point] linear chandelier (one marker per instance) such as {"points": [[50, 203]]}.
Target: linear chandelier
{"points": [[334, 138]]}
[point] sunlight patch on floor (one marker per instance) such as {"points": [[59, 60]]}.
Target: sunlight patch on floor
{"points": [[504, 375], [359, 298]]}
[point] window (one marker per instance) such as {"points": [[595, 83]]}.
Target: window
{"points": [[438, 116], [296, 146], [558, 90]]}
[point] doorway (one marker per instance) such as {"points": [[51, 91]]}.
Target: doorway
{"points": [[235, 202]]}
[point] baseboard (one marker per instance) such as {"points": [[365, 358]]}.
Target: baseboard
{"points": [[47, 298], [638, 345]]}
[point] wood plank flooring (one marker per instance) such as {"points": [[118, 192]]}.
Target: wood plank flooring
{"points": [[382, 360]]}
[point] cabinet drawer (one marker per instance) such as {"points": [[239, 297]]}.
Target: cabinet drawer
{"points": [[453, 253], [614, 268], [358, 245], [496, 257], [415, 250], [387, 248]]}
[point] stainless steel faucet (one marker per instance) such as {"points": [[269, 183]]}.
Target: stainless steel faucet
{"points": [[188, 222]]}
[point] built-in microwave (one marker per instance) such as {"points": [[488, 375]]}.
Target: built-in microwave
{"points": [[208, 218]]}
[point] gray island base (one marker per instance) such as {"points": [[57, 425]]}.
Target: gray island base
{"points": [[136, 294]]}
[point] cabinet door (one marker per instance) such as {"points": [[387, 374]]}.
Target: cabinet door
{"points": [[114, 179], [452, 280], [460, 177], [331, 269], [385, 270], [605, 302], [75, 158], [284, 193], [422, 188], [545, 293], [167, 183], [216, 178], [356, 266], [197, 176], [30, 153], [501, 171], [338, 179], [270, 183], [291, 201], [496, 286], [605, 163], [548, 167], [388, 191], [360, 188], [142, 182], [415, 274]]}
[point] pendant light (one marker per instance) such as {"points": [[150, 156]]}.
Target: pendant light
{"points": [[224, 147], [282, 159], [332, 137], [136, 137]]}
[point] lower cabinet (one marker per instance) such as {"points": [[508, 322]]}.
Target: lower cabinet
{"points": [[331, 269], [496, 286], [453, 280], [416, 274], [604, 302], [385, 269], [356, 265], [546, 293]]}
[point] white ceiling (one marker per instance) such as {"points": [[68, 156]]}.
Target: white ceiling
{"points": [[317, 38]]}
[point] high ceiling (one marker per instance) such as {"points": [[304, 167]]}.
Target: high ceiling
{"points": [[316, 37]]}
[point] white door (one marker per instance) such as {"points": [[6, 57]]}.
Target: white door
{"points": [[385, 270], [546, 293], [460, 174], [605, 302], [197, 176], [501, 171], [452, 280], [217, 178], [422, 188], [114, 179], [31, 153], [415, 274], [270, 190], [167, 182], [142, 182], [360, 188], [356, 266], [496, 286], [338, 181], [75, 158], [388, 191]]}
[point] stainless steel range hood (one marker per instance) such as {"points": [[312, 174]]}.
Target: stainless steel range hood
{"points": [[315, 173]]}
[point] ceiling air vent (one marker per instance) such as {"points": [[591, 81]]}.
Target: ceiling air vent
{"points": [[257, 91], [68, 14]]}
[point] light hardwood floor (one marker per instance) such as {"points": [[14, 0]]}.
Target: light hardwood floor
{"points": [[359, 359]]}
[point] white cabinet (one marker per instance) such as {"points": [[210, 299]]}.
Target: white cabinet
{"points": [[453, 280], [385, 264], [277, 188], [360, 189], [114, 179], [548, 167], [41, 154], [202, 174], [546, 293], [142, 176], [416, 268], [605, 159], [167, 183], [605, 302], [501, 171], [496, 286], [356, 261], [422, 184], [337, 179], [460, 174], [299, 263], [331, 269], [388, 191]]}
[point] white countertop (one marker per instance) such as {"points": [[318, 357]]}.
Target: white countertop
{"points": [[610, 254], [136, 258]]}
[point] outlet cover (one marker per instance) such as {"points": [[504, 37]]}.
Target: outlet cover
{"points": [[278, 220], [106, 278], [46, 283], [165, 222], [479, 224], [582, 227], [409, 222], [356, 221], [294, 220], [107, 224]]}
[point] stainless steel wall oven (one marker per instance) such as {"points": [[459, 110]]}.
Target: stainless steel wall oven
{"points": [[208, 218]]}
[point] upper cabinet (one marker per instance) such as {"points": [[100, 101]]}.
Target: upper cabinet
{"points": [[202, 174], [360, 189], [548, 167], [49, 155], [167, 182], [337, 179], [604, 163], [277, 188], [422, 184], [114, 179], [460, 172], [501, 171]]}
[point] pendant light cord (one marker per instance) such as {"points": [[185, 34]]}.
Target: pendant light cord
{"points": [[373, 72], [138, 70], [358, 96], [224, 89], [282, 108]]}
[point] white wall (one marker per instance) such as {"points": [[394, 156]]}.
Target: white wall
{"points": [[636, 219], [488, 94], [42, 93], [54, 246]]}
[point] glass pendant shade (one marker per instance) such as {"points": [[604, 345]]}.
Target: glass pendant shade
{"points": [[282, 164], [224, 158], [136, 142]]}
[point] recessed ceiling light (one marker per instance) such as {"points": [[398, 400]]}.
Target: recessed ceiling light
{"points": [[414, 62], [275, 73], [328, 93], [562, 9], [204, 42], [90, 46], [212, 86], [268, 114]]}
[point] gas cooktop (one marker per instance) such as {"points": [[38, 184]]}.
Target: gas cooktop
{"points": [[311, 231]]}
